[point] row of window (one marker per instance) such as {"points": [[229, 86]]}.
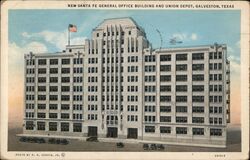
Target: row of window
{"points": [[183, 130], [63, 61], [112, 60], [178, 98], [112, 69], [132, 58], [108, 98], [215, 66], [112, 88], [53, 126], [215, 120]]}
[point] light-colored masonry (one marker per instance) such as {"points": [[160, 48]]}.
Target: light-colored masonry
{"points": [[117, 86]]}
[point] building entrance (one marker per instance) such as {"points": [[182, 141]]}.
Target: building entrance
{"points": [[132, 133], [112, 132], [92, 131]]}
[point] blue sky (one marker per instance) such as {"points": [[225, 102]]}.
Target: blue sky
{"points": [[193, 27]]}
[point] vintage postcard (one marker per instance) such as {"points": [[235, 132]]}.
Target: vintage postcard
{"points": [[124, 80]]}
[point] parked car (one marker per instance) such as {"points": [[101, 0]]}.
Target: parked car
{"points": [[52, 141], [41, 140], [160, 147], [153, 147], [92, 139], [64, 141], [119, 145], [146, 146], [23, 139]]}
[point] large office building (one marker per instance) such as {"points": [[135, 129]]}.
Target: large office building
{"points": [[115, 85]]}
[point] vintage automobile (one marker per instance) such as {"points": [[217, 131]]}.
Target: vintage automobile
{"points": [[92, 139]]}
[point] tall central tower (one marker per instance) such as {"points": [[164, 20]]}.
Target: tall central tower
{"points": [[114, 78]]}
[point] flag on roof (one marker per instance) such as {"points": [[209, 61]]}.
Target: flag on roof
{"points": [[72, 28]]}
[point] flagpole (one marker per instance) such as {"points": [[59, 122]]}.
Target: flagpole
{"points": [[68, 37]]}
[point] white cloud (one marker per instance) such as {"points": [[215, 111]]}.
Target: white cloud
{"points": [[193, 36], [16, 53], [185, 36], [237, 44], [57, 39]]}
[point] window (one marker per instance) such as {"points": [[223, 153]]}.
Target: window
{"points": [[198, 98], [198, 88], [165, 108], [198, 109], [181, 98], [41, 126], [198, 77], [53, 106], [165, 68], [149, 118], [41, 79], [41, 106], [53, 88], [65, 107], [198, 120], [165, 88], [77, 116], [41, 115], [52, 115], [77, 127], [181, 67], [41, 88], [181, 88], [181, 57], [181, 130], [65, 79], [149, 129], [52, 126], [165, 78], [198, 131], [181, 119], [53, 61], [64, 127], [65, 97], [149, 98], [148, 79], [42, 97], [148, 88], [65, 61], [198, 67], [164, 129], [150, 68], [65, 70], [65, 88], [149, 109], [150, 58], [165, 98], [215, 132], [53, 70], [182, 109], [53, 79], [41, 70], [165, 118], [165, 57], [181, 78], [197, 56], [41, 61], [53, 97], [29, 125], [64, 116]]}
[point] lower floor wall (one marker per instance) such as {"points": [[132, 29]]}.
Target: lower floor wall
{"points": [[140, 133]]}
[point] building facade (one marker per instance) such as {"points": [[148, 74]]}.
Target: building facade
{"points": [[117, 86]]}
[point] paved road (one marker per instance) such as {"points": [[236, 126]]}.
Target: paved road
{"points": [[234, 145]]}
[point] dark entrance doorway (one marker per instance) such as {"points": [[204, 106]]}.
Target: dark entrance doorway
{"points": [[92, 131], [132, 133], [112, 132]]}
